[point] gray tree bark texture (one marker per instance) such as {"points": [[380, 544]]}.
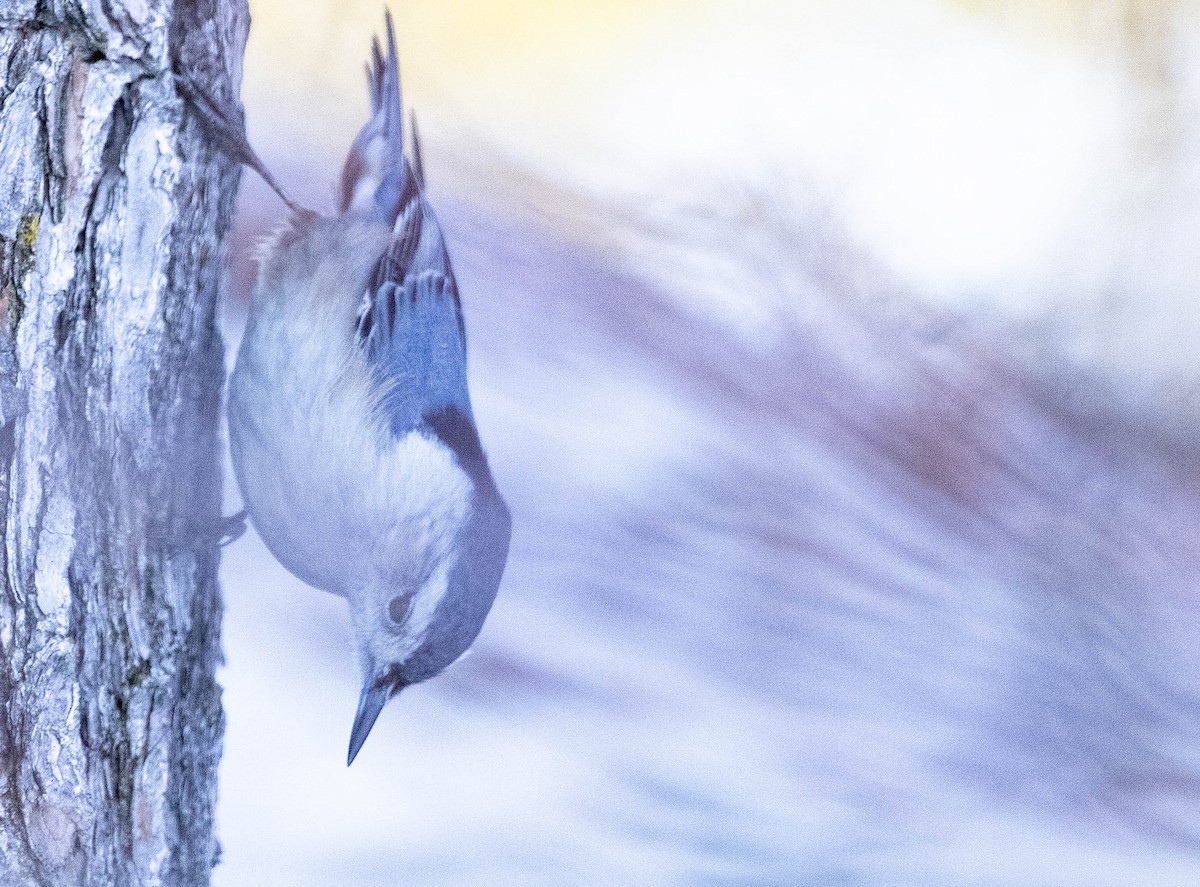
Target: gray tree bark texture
{"points": [[113, 209]]}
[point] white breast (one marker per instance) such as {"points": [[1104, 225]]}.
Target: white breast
{"points": [[334, 495]]}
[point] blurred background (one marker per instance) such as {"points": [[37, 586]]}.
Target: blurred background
{"points": [[838, 361]]}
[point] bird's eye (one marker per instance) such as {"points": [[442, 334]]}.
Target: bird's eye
{"points": [[397, 608]]}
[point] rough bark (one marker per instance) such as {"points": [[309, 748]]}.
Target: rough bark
{"points": [[112, 215]]}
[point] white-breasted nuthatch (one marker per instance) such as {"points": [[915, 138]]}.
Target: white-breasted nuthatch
{"points": [[350, 425]]}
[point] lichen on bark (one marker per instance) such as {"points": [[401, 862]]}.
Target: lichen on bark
{"points": [[111, 248]]}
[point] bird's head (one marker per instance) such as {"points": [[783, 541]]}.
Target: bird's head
{"points": [[427, 603]]}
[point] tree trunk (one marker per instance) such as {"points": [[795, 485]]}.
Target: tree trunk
{"points": [[112, 215]]}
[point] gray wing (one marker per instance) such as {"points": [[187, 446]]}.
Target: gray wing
{"points": [[411, 325]]}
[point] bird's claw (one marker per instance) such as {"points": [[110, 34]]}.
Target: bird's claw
{"points": [[232, 528]]}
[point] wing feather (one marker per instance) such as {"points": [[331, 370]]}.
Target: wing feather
{"points": [[410, 325], [411, 331]]}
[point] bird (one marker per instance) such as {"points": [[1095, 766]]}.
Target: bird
{"points": [[350, 423]]}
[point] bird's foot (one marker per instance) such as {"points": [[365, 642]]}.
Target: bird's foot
{"points": [[231, 528], [225, 124]]}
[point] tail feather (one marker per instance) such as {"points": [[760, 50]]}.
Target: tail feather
{"points": [[418, 165], [377, 176], [375, 75]]}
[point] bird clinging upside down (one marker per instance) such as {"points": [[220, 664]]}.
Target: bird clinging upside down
{"points": [[350, 423]]}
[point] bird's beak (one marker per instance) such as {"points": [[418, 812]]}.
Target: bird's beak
{"points": [[370, 704]]}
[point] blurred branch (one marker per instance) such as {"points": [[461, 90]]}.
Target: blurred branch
{"points": [[111, 228]]}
